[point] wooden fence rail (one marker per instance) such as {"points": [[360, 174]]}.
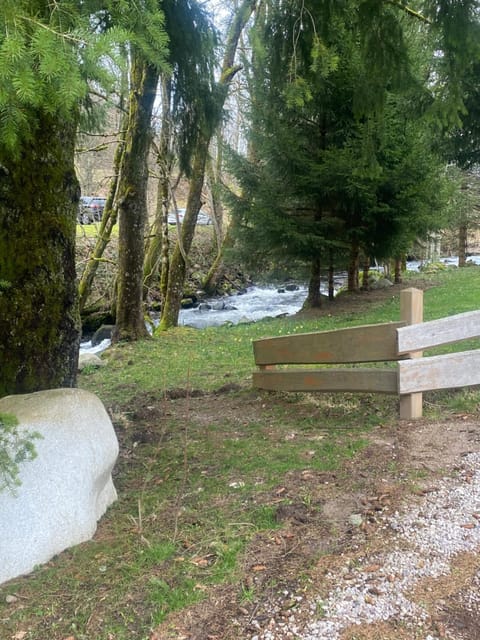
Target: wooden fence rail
{"points": [[402, 342]]}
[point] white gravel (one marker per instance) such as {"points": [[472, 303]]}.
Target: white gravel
{"points": [[426, 536]]}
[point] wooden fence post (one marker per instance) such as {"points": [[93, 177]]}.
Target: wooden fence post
{"points": [[411, 312]]}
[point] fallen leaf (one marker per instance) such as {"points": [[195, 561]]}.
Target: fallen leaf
{"points": [[259, 567], [468, 525]]}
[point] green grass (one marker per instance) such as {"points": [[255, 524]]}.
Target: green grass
{"points": [[199, 479]]}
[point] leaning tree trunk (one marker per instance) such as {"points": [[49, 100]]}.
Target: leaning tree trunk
{"points": [[178, 265], [217, 270], [132, 202], [39, 319], [109, 220], [157, 250]]}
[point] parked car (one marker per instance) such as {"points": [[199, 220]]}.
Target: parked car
{"points": [[172, 216], [202, 219], [90, 209]]}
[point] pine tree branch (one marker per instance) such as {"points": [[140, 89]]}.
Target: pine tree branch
{"points": [[62, 36], [409, 10]]}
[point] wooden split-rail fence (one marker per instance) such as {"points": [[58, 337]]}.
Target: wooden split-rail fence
{"points": [[402, 341]]}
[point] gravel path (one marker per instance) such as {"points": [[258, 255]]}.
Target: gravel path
{"points": [[425, 538]]}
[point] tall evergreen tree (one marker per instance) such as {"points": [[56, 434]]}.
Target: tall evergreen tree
{"points": [[327, 172]]}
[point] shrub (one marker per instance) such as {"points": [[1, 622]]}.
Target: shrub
{"points": [[16, 446]]}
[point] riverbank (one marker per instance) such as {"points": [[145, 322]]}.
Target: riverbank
{"points": [[203, 254]]}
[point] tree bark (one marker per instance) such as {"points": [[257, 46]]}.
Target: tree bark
{"points": [[462, 245], [365, 273], [39, 319], [158, 247], [314, 297], [331, 278], [353, 284], [216, 271], [132, 202], [109, 219], [398, 270], [178, 265]]}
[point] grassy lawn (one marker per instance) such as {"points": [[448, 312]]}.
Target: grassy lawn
{"points": [[208, 466]]}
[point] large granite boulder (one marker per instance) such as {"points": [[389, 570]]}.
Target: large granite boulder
{"points": [[67, 487]]}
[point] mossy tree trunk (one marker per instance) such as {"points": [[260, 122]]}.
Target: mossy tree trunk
{"points": [[217, 270], [157, 252], [132, 202], [39, 319], [178, 265]]}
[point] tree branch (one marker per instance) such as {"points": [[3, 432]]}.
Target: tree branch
{"points": [[411, 12]]}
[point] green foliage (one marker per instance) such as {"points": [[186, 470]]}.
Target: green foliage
{"points": [[196, 104], [52, 53], [5, 285], [462, 144], [340, 146], [16, 447]]}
